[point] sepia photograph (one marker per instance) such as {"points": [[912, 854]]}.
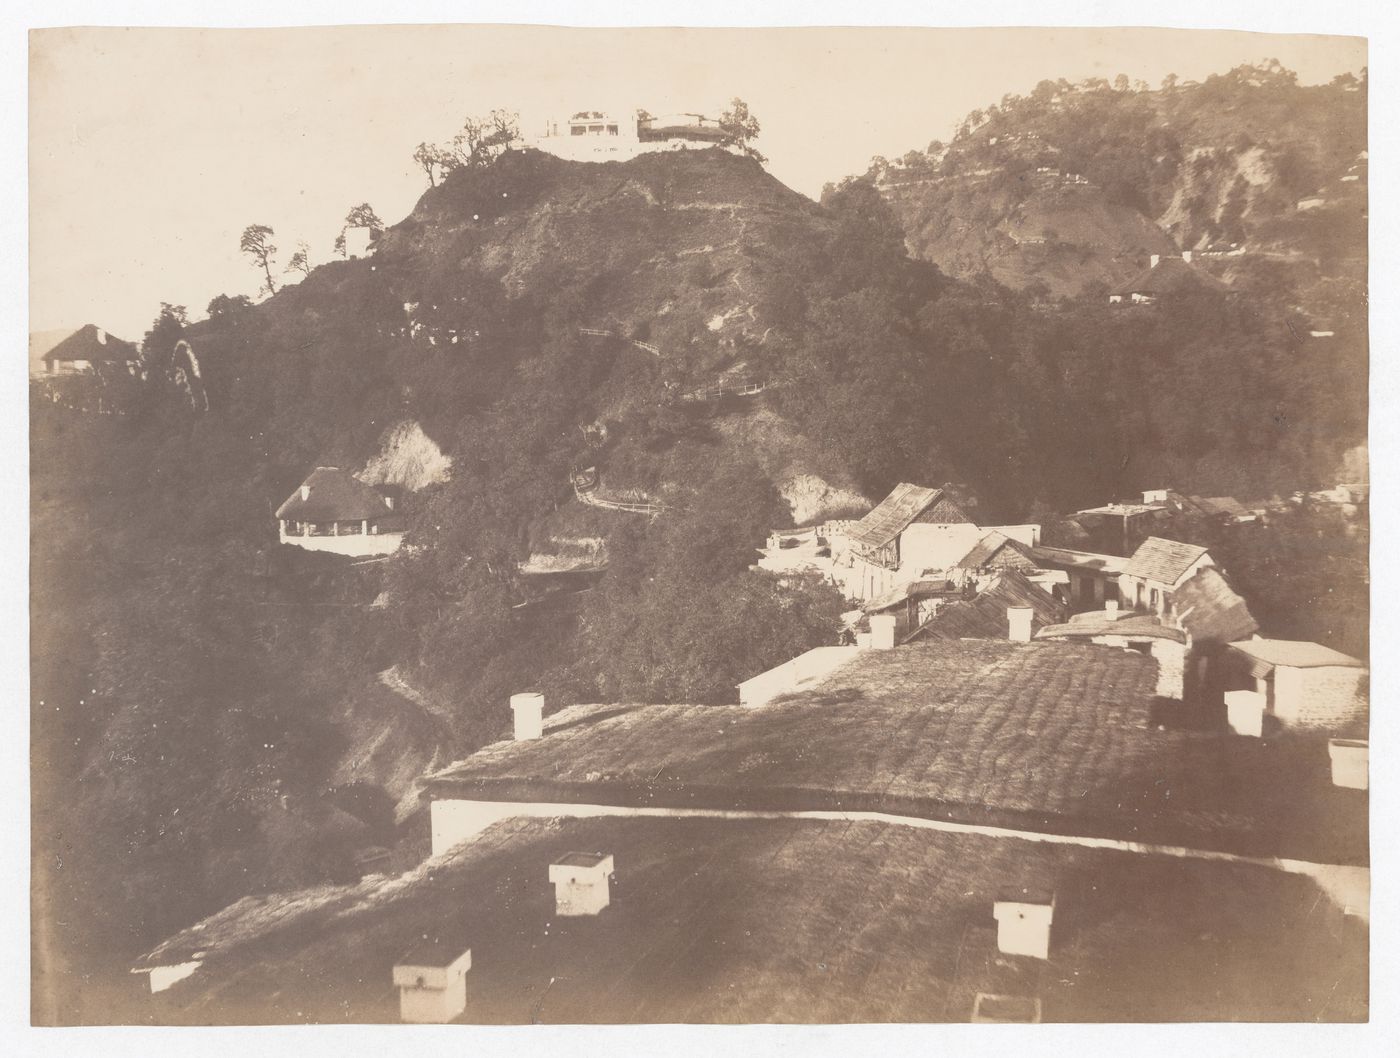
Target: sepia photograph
{"points": [[536, 525]]}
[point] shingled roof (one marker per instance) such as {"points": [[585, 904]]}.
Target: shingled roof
{"points": [[1212, 611], [334, 495], [984, 616], [905, 503], [989, 547], [1163, 561], [892, 514], [94, 345]]}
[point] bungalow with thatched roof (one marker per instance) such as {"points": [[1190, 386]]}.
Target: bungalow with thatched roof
{"points": [[89, 349], [332, 510]]}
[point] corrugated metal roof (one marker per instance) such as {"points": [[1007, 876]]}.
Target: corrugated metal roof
{"points": [[1268, 654], [893, 514], [1164, 561], [335, 495]]}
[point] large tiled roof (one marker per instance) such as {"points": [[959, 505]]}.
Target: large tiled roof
{"points": [[1163, 561], [1268, 654], [335, 495], [984, 617], [778, 920], [84, 344], [892, 514]]}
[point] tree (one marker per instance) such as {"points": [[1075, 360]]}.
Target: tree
{"points": [[740, 128], [1169, 82], [361, 216], [301, 261], [257, 244], [226, 305], [434, 160], [482, 140]]}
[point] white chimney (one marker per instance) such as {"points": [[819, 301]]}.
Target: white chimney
{"points": [[1350, 757], [1156, 257], [882, 631], [1186, 256], [1024, 918], [101, 336], [581, 883], [1110, 609], [1018, 620], [1244, 711], [528, 708], [432, 984], [305, 493], [389, 502]]}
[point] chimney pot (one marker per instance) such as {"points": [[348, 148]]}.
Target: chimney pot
{"points": [[305, 493], [1023, 923], [528, 708], [1110, 609], [101, 336], [882, 628], [581, 884], [1018, 620]]}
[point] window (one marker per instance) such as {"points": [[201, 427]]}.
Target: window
{"points": [[576, 130], [612, 130]]}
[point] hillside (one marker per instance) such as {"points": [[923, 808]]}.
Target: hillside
{"points": [[1077, 184], [537, 343]]}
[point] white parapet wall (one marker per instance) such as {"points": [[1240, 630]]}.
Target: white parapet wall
{"points": [[356, 545], [792, 675]]}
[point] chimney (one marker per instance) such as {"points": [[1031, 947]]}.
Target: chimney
{"points": [[1186, 256], [1023, 919], [305, 493], [1349, 762], [1156, 257], [101, 336], [389, 502], [882, 631], [1018, 620], [432, 983], [528, 708], [581, 883], [1245, 712], [1110, 609]]}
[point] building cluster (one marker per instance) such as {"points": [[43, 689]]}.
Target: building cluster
{"points": [[595, 136]]}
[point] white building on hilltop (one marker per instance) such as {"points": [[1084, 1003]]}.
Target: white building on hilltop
{"points": [[593, 136]]}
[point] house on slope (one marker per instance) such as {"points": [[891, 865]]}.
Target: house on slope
{"points": [[1009, 607], [1303, 685], [914, 603], [334, 511], [596, 136], [88, 349], [1118, 528], [1156, 570], [1091, 579], [912, 529], [1164, 279]]}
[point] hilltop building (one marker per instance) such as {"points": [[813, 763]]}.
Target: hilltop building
{"points": [[334, 511], [595, 136], [88, 349]]}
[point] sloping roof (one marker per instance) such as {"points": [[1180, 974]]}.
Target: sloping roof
{"points": [[1172, 276], [1226, 505], [1098, 623], [1211, 610], [984, 616], [892, 515], [987, 548], [777, 920], [1268, 654], [914, 589], [334, 495], [1068, 558], [1164, 561], [83, 344]]}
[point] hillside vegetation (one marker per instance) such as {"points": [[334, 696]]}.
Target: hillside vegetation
{"points": [[211, 711], [1077, 184]]}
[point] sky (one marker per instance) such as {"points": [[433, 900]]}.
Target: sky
{"points": [[152, 149]]}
